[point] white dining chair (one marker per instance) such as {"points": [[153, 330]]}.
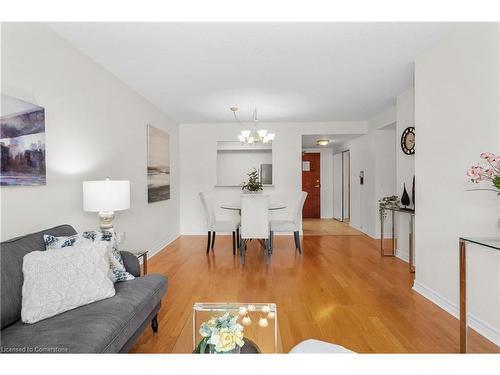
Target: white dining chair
{"points": [[255, 223], [292, 225], [215, 226]]}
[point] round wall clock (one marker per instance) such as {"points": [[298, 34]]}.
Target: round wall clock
{"points": [[408, 141]]}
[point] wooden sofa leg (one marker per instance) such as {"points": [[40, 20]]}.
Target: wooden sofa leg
{"points": [[154, 324]]}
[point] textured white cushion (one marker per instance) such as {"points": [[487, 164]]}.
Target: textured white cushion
{"points": [[316, 346], [117, 268], [58, 281]]}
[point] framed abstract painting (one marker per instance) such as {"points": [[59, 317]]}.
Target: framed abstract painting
{"points": [[158, 164], [22, 142]]}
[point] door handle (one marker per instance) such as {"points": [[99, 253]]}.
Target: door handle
{"points": [[317, 186]]}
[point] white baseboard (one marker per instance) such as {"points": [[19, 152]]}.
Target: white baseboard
{"points": [[480, 326], [402, 255], [161, 245]]}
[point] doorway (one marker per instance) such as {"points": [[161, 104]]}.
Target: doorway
{"points": [[342, 186], [311, 177]]}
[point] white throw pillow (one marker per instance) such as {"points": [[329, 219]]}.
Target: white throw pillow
{"points": [[58, 281], [117, 268]]}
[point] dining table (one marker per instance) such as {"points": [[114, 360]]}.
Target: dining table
{"points": [[237, 206]]}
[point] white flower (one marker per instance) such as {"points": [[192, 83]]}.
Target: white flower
{"points": [[223, 332], [205, 330]]}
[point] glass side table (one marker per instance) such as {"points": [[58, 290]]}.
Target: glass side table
{"points": [[492, 243], [258, 320], [411, 247], [144, 255]]}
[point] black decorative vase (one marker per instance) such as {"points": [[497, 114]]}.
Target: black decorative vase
{"points": [[413, 192], [405, 198]]}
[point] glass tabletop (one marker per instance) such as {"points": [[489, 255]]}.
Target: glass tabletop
{"points": [[221, 328], [237, 206], [491, 242]]}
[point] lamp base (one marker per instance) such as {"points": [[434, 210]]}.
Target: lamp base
{"points": [[106, 218]]}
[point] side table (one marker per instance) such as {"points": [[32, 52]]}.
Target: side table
{"points": [[492, 243], [144, 255], [411, 248]]}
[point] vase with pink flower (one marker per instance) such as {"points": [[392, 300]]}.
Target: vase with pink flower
{"points": [[487, 172]]}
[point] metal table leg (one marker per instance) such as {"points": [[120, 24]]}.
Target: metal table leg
{"points": [[463, 298], [411, 261]]}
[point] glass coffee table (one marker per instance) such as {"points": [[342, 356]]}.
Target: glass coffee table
{"points": [[230, 328]]}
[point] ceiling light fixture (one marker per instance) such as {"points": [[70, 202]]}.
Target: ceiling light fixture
{"points": [[322, 142], [254, 134]]}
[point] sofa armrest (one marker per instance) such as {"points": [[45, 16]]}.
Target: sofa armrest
{"points": [[131, 263]]}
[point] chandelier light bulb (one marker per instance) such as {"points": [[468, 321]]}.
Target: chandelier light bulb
{"points": [[266, 309], [271, 315], [251, 307], [246, 321], [243, 310], [263, 322], [255, 135]]}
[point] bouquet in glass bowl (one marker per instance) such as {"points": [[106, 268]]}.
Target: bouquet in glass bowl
{"points": [[488, 172], [221, 334]]}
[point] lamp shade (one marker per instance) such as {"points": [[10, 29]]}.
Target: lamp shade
{"points": [[106, 195]]}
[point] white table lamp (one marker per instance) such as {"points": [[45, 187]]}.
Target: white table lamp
{"points": [[106, 197]]}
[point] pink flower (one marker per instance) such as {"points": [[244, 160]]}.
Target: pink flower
{"points": [[488, 156]]}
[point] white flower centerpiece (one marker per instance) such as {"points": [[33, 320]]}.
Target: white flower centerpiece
{"points": [[222, 335]]}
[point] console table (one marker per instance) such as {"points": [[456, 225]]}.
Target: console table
{"points": [[490, 243], [411, 212]]}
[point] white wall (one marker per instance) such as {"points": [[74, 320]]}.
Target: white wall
{"points": [[457, 117], [95, 127], [373, 153], [198, 156], [326, 180], [405, 166], [233, 165]]}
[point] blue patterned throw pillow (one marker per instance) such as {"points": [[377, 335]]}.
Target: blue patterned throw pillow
{"points": [[117, 267], [52, 242], [115, 258]]}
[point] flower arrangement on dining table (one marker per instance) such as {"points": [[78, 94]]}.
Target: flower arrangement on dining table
{"points": [[489, 171]]}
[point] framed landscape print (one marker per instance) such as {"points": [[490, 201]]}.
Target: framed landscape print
{"points": [[158, 164], [22, 141]]}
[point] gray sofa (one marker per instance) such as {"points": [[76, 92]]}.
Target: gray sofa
{"points": [[108, 326]]}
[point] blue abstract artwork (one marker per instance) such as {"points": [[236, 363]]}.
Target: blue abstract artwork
{"points": [[22, 142]]}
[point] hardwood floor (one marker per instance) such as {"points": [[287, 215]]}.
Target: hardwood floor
{"points": [[340, 290], [327, 227]]}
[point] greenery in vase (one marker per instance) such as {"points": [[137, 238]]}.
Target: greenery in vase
{"points": [[490, 172], [385, 203], [223, 333], [253, 183]]}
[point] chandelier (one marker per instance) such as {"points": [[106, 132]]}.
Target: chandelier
{"points": [[254, 134]]}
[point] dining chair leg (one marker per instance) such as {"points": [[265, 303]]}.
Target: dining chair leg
{"points": [[296, 235], [234, 243], [238, 237], [266, 251], [213, 241], [208, 242], [242, 251], [271, 238]]}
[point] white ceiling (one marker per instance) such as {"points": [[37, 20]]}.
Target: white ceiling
{"points": [[295, 72]]}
